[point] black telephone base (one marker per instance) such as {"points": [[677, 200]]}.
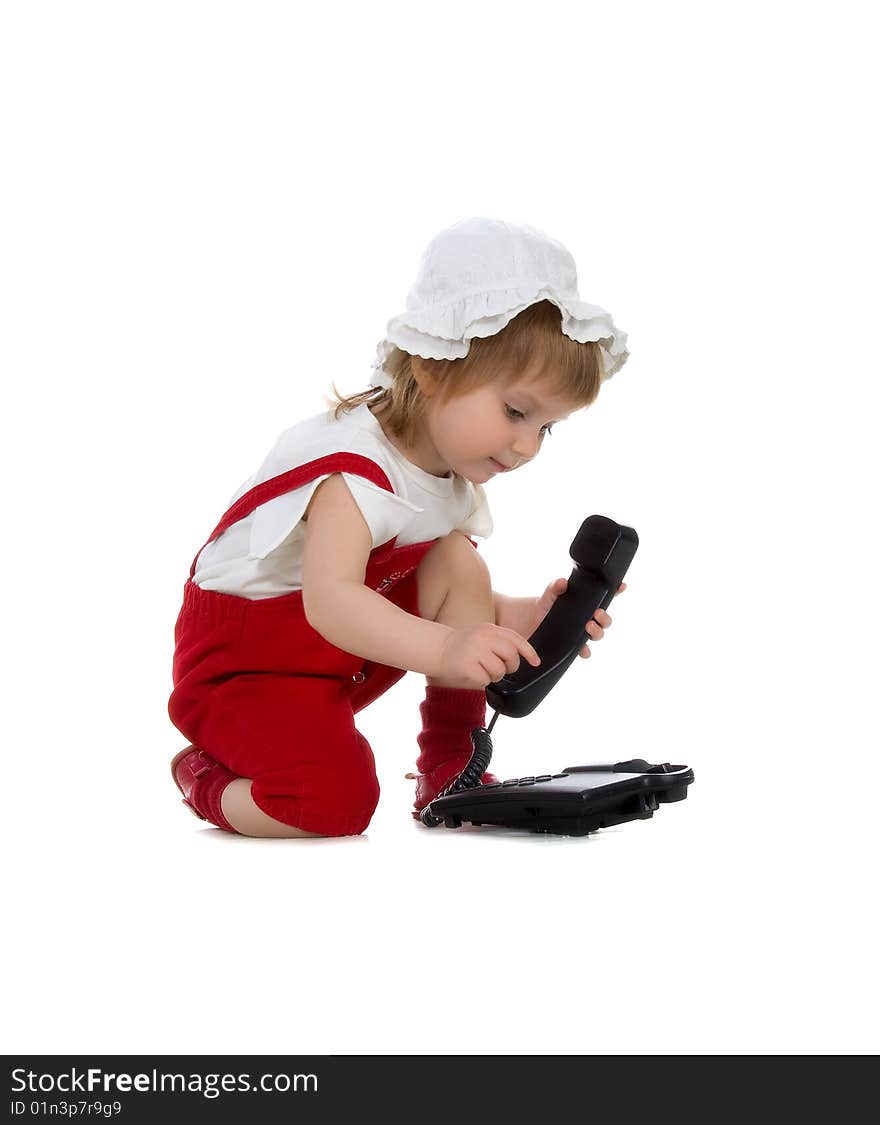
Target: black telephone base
{"points": [[575, 802]]}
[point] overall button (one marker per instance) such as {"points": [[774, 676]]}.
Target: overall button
{"points": [[359, 677]]}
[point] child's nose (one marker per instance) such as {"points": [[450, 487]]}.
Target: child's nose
{"points": [[525, 449]]}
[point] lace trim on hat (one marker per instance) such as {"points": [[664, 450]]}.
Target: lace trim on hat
{"points": [[444, 331]]}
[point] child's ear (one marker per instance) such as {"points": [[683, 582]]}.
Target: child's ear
{"points": [[425, 380]]}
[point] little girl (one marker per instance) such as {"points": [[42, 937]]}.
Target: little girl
{"points": [[348, 558]]}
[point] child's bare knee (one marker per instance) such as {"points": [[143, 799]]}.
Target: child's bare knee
{"points": [[452, 562], [468, 562]]}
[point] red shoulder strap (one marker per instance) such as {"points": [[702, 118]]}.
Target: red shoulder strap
{"points": [[295, 478]]}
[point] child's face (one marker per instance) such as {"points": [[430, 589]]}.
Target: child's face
{"points": [[496, 427]]}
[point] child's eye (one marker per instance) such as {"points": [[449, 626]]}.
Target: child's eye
{"points": [[512, 412]]}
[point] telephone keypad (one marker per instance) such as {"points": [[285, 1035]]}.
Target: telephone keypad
{"points": [[522, 781]]}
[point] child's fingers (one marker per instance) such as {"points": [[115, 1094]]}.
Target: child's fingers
{"points": [[527, 650]]}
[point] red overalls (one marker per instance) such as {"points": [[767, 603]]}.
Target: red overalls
{"points": [[260, 690]]}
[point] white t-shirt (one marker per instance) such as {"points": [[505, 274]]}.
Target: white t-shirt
{"points": [[261, 555]]}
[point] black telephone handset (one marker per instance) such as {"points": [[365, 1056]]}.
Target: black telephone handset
{"points": [[602, 551]]}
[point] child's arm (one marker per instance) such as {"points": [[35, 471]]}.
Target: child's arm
{"points": [[337, 603], [508, 609]]}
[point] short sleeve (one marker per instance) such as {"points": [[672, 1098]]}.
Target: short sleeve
{"points": [[385, 514], [479, 521]]}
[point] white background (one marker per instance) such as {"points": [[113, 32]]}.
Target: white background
{"points": [[211, 211]]}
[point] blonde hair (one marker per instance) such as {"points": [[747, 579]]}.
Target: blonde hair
{"points": [[575, 370]]}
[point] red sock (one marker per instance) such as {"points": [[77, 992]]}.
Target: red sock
{"points": [[448, 717], [201, 779]]}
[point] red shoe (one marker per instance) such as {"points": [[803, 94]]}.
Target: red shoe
{"points": [[201, 779], [448, 717]]}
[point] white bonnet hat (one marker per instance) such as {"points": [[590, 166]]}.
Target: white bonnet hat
{"points": [[475, 277]]}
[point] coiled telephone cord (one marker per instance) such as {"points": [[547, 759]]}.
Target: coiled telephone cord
{"points": [[470, 776]]}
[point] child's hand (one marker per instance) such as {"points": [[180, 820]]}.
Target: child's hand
{"points": [[478, 655], [540, 607]]}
